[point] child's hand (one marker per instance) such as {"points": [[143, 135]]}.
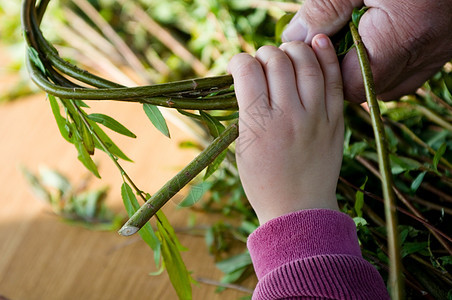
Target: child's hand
{"points": [[289, 151]]}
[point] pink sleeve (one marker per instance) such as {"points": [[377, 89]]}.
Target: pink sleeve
{"points": [[312, 254]]}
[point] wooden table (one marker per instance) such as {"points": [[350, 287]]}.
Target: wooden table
{"points": [[42, 257]]}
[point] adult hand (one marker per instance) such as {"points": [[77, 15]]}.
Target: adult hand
{"points": [[407, 41]]}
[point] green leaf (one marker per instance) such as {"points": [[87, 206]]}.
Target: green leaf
{"points": [[281, 25], [55, 180], [163, 220], [234, 263], [189, 114], [214, 126], [177, 271], [357, 14], [85, 158], [146, 232], [195, 194], [345, 44], [438, 155], [400, 164], [233, 276], [359, 200], [111, 123], [36, 185], [215, 164], [447, 260], [410, 248], [156, 118], [36, 60], [417, 182], [357, 148], [88, 139], [63, 126], [81, 103], [111, 146], [232, 116], [359, 221]]}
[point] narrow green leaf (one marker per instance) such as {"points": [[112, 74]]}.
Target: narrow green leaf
{"points": [[400, 164], [359, 200], [146, 232], [438, 155], [228, 117], [85, 158], [214, 126], [233, 276], [111, 146], [131, 204], [417, 182], [111, 123], [195, 194], [177, 271], [156, 118], [81, 103], [36, 185], [215, 164], [189, 114], [55, 180], [63, 127], [36, 60], [281, 25], [234, 263], [88, 139], [163, 220]]}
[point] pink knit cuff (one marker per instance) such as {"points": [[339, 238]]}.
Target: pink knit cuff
{"points": [[301, 235]]}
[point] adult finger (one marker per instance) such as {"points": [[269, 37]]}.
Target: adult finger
{"points": [[319, 16], [406, 45]]}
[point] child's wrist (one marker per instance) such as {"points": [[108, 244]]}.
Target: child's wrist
{"points": [[265, 214]]}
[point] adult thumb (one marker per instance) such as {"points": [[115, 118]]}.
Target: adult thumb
{"points": [[319, 16]]}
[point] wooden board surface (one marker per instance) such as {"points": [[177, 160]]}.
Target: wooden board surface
{"points": [[44, 258]]}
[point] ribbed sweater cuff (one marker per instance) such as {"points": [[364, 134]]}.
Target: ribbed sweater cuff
{"points": [[301, 235]]}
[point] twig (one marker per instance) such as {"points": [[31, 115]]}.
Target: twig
{"points": [[181, 179], [109, 32], [425, 93], [420, 218], [91, 35], [395, 261], [436, 233], [431, 205], [166, 38], [435, 118], [441, 194], [288, 7], [418, 141], [225, 285]]}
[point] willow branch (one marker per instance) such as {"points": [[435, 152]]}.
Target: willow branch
{"points": [[181, 179], [395, 260], [167, 95]]}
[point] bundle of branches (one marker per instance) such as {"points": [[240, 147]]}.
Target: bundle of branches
{"points": [[398, 150]]}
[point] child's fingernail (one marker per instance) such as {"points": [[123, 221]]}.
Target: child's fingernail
{"points": [[295, 31], [323, 42]]}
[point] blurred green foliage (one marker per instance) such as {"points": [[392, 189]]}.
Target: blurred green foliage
{"points": [[418, 129]]}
